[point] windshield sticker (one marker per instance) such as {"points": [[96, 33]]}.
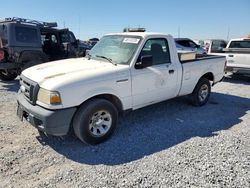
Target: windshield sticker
{"points": [[131, 40]]}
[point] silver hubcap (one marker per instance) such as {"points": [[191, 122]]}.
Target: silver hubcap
{"points": [[100, 123], [203, 93]]}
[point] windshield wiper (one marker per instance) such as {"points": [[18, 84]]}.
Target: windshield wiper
{"points": [[104, 57]]}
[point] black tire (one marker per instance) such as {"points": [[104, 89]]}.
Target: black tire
{"points": [[6, 75], [198, 98], [85, 120]]}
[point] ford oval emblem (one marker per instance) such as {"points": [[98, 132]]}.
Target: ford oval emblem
{"points": [[22, 88]]}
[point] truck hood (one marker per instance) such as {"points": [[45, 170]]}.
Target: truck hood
{"points": [[57, 73]]}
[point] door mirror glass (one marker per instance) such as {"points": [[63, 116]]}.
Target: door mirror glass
{"points": [[146, 61]]}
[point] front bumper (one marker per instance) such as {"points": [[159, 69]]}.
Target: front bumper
{"points": [[53, 122]]}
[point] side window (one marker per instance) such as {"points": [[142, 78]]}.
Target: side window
{"points": [[192, 44], [42, 38], [72, 38], [159, 50], [217, 46], [49, 38], [53, 38], [26, 35], [64, 37], [183, 43], [3, 35]]}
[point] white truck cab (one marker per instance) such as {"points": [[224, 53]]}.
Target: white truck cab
{"points": [[123, 71]]}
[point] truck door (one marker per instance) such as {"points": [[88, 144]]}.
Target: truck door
{"points": [[157, 82]]}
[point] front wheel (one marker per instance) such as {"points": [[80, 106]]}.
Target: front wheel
{"points": [[95, 121], [201, 92], [7, 75]]}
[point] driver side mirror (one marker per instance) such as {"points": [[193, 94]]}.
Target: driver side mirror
{"points": [[146, 61]]}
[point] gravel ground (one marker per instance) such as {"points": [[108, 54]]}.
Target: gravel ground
{"points": [[171, 144]]}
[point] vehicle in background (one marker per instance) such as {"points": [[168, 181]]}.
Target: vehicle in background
{"points": [[26, 42], [135, 29], [85, 46], [214, 45], [92, 42], [123, 72], [200, 42], [185, 44], [237, 53]]}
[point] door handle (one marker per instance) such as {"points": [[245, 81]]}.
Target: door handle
{"points": [[230, 55], [171, 71]]}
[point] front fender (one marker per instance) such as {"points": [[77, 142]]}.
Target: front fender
{"points": [[77, 96]]}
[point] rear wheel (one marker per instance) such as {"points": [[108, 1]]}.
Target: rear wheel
{"points": [[95, 121], [201, 92], [7, 75]]}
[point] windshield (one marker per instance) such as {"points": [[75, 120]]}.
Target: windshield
{"points": [[119, 49]]}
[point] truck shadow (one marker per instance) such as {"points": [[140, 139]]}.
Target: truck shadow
{"points": [[12, 86], [154, 129], [237, 79]]}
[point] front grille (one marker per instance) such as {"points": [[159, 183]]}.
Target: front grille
{"points": [[29, 89]]}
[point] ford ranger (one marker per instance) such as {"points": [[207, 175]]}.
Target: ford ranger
{"points": [[122, 72]]}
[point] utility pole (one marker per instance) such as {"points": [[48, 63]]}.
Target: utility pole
{"points": [[79, 27], [179, 31], [228, 31]]}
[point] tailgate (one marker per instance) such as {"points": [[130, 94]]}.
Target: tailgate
{"points": [[239, 60]]}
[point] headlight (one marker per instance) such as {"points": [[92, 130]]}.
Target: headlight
{"points": [[49, 97]]}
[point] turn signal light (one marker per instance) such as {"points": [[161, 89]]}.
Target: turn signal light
{"points": [[55, 99]]}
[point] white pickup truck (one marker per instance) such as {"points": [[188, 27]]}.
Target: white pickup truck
{"points": [[124, 71], [238, 56], [237, 53]]}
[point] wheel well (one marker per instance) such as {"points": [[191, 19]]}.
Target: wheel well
{"points": [[32, 55], [111, 98], [208, 76]]}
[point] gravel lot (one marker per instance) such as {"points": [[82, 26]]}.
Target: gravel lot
{"points": [[171, 144]]}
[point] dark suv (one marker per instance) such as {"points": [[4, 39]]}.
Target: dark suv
{"points": [[24, 43]]}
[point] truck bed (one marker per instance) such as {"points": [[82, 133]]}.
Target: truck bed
{"points": [[193, 70], [200, 57]]}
